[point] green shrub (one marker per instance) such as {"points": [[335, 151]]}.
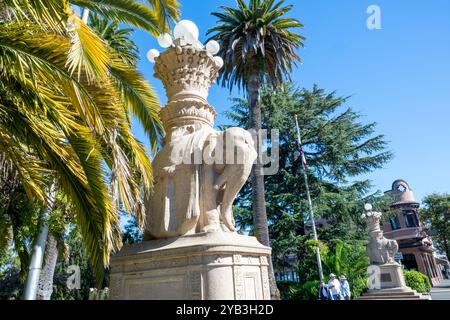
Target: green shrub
{"points": [[290, 290], [309, 290], [417, 281], [358, 286]]}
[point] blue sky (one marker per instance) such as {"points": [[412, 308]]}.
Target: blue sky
{"points": [[397, 76]]}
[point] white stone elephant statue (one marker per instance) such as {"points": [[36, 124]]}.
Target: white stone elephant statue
{"points": [[198, 174]]}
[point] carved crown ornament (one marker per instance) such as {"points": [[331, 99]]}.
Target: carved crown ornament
{"points": [[187, 70], [372, 218]]}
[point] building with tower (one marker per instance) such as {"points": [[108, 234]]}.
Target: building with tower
{"points": [[415, 245]]}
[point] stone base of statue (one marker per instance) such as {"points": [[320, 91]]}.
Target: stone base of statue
{"points": [[208, 266], [405, 293], [391, 284], [391, 276]]}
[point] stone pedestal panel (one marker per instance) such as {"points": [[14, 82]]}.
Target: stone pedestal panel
{"points": [[212, 266], [391, 276]]}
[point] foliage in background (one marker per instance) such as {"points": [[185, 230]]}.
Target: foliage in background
{"points": [[74, 255], [417, 281], [348, 259], [436, 216], [132, 233], [19, 219], [359, 286], [117, 38], [291, 290], [338, 147]]}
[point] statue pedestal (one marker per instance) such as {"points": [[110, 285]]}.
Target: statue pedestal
{"points": [[392, 285], [405, 293], [208, 266], [391, 276]]}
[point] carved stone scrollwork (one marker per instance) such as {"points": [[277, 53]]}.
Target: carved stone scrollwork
{"points": [[238, 283], [195, 281]]}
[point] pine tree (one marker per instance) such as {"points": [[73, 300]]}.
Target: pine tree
{"points": [[338, 148]]}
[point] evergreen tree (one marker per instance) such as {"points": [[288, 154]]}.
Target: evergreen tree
{"points": [[436, 216], [338, 148]]}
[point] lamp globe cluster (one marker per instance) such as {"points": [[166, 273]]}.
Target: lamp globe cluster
{"points": [[187, 33], [368, 207]]}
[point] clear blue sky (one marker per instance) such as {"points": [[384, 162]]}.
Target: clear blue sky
{"points": [[397, 76]]}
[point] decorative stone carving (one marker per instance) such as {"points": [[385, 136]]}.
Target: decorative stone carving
{"points": [[199, 171], [380, 249]]}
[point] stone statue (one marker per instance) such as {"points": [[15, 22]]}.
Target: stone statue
{"points": [[190, 249], [380, 249], [199, 171], [385, 276]]}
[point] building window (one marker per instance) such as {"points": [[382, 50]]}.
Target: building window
{"points": [[409, 261], [410, 218], [395, 225]]}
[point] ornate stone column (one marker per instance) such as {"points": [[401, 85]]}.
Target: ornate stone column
{"points": [[192, 250]]}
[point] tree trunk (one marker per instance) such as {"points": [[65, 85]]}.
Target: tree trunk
{"points": [[85, 15], [257, 177], [36, 259], [4, 14], [37, 255], [45, 287]]}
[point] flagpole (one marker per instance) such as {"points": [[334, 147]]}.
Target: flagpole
{"points": [[311, 212]]}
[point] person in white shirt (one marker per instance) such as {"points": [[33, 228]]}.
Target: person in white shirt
{"points": [[335, 287]]}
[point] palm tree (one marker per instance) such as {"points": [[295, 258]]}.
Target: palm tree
{"points": [[118, 40], [66, 99], [115, 37], [258, 47]]}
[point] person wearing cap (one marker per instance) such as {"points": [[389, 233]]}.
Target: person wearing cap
{"points": [[335, 287], [345, 288]]}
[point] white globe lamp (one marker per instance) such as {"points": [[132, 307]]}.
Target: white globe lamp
{"points": [[152, 55], [368, 207], [165, 40], [213, 47], [219, 62], [187, 31]]}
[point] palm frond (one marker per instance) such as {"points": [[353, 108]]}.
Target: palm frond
{"points": [[130, 12], [138, 96], [88, 54]]}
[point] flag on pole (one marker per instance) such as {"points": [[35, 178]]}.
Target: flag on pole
{"points": [[302, 155], [299, 141]]}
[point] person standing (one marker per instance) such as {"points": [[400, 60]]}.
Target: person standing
{"points": [[345, 288], [324, 292], [335, 287]]}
